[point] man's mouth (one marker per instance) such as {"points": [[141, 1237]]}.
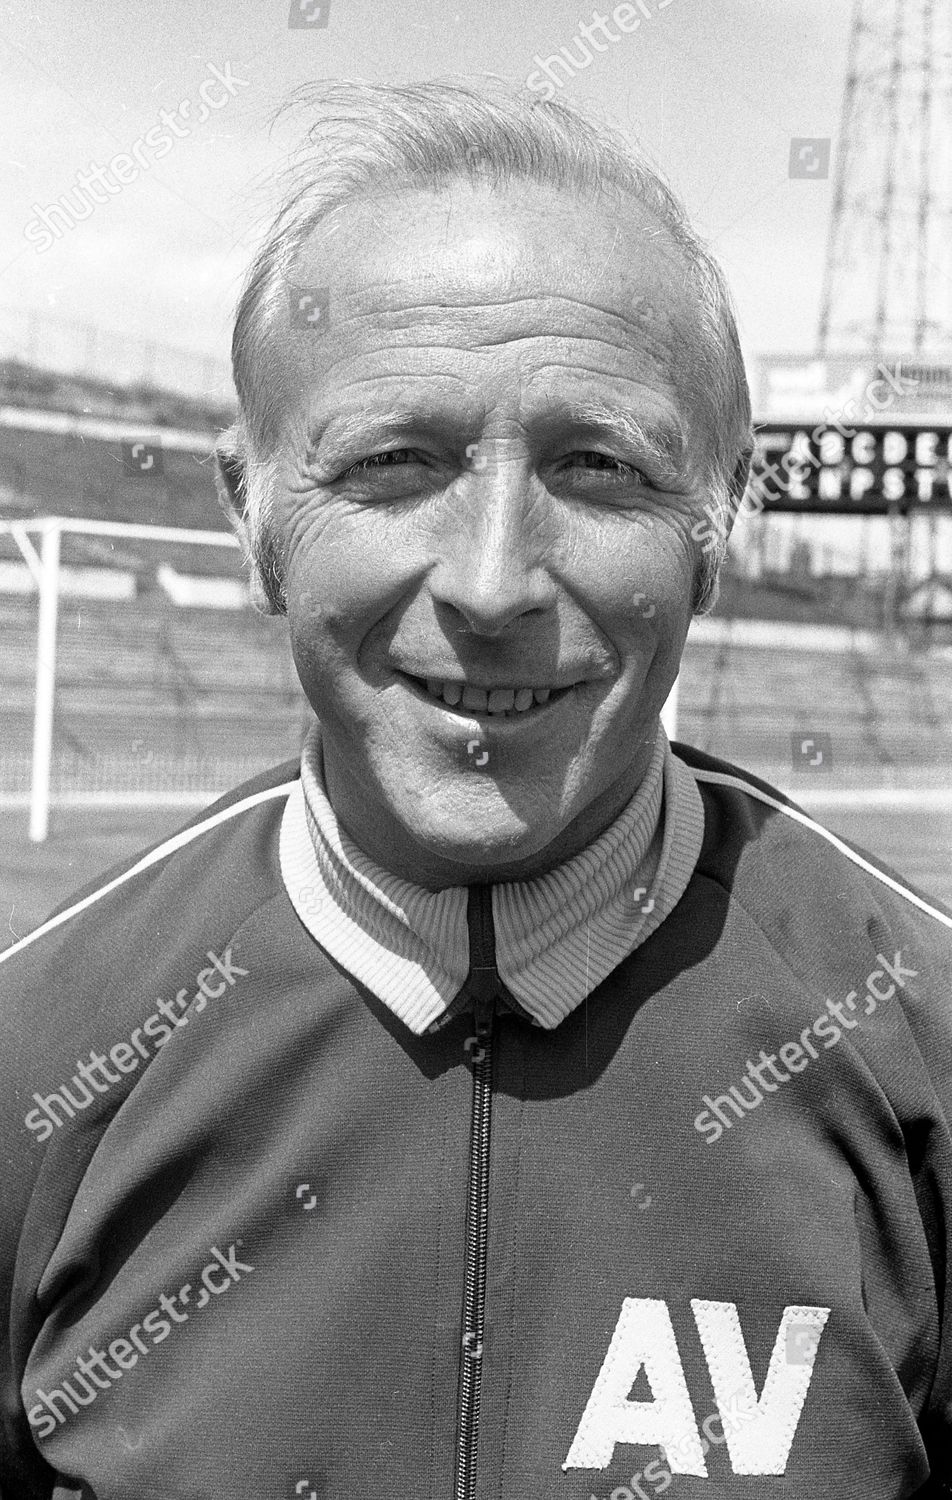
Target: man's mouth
{"points": [[501, 702]]}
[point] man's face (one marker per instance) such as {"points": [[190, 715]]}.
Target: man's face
{"points": [[457, 506]]}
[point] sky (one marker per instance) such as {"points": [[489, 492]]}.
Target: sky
{"points": [[713, 90]]}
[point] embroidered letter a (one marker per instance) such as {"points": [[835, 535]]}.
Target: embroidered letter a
{"points": [[760, 1432]]}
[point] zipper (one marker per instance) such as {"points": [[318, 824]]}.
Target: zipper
{"points": [[483, 985]]}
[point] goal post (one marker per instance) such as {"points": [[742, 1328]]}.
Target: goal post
{"points": [[48, 584], [41, 543]]}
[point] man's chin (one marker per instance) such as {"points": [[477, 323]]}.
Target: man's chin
{"points": [[479, 843]]}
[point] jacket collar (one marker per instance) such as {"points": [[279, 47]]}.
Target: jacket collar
{"points": [[557, 935]]}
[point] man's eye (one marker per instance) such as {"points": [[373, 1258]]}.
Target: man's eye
{"points": [[392, 457], [588, 458]]}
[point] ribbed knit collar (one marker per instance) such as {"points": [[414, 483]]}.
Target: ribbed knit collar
{"points": [[557, 935]]}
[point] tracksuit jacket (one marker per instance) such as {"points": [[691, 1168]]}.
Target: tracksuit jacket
{"points": [[263, 1238]]}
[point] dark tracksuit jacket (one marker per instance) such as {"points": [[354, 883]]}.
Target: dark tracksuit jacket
{"points": [[267, 1242]]}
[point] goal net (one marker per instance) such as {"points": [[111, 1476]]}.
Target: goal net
{"points": [[135, 670]]}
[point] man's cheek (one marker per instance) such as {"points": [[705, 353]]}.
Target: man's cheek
{"points": [[323, 609], [318, 663]]}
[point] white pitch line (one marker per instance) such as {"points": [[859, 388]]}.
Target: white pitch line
{"points": [[935, 799], [929, 799], [17, 800]]}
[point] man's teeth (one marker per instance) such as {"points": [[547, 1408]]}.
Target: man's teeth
{"points": [[496, 701]]}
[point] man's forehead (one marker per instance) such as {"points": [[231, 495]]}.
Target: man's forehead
{"points": [[521, 299], [397, 259]]}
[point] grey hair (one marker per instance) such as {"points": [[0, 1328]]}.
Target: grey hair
{"points": [[384, 137]]}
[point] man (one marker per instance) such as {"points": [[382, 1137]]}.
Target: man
{"points": [[499, 1103]]}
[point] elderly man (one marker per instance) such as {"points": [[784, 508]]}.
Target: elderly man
{"points": [[385, 1131]]}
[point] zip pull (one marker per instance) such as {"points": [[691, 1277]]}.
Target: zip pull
{"points": [[484, 1012], [483, 979]]}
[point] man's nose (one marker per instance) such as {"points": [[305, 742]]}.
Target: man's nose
{"points": [[495, 546]]}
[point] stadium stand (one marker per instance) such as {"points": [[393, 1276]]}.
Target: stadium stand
{"points": [[75, 475], [889, 718]]}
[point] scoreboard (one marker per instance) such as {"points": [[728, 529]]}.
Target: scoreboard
{"points": [[861, 471]]}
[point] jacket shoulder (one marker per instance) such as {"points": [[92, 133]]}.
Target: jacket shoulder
{"points": [[221, 856], [770, 853]]}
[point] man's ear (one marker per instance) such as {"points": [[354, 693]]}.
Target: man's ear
{"points": [[231, 488], [230, 483]]}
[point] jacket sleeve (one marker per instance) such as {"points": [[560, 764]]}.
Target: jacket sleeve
{"points": [[52, 985], [920, 1091], [35, 1182]]}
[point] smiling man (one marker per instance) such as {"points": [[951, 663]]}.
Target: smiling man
{"points": [[494, 942], [490, 456]]}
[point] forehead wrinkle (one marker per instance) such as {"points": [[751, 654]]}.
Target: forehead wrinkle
{"points": [[352, 421], [432, 326], [392, 304]]}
